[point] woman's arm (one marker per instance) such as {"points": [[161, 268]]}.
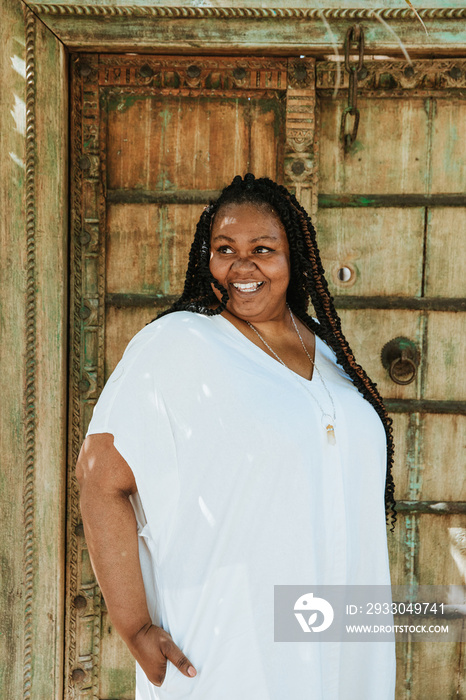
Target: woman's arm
{"points": [[106, 481]]}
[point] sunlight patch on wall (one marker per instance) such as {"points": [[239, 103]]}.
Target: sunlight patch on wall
{"points": [[19, 115]]}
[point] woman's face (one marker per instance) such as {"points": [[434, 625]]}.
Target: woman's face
{"points": [[250, 256]]}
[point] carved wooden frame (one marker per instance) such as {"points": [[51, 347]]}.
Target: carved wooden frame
{"points": [[61, 20]]}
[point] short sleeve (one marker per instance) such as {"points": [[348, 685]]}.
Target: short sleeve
{"points": [[132, 409]]}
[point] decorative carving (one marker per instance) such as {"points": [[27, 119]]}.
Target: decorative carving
{"points": [[332, 13], [87, 359], [300, 128], [75, 534], [391, 77], [175, 73], [30, 359]]}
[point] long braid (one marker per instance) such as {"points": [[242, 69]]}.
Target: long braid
{"points": [[307, 284]]}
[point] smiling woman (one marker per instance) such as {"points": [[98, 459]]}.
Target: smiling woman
{"points": [[250, 257], [218, 465]]}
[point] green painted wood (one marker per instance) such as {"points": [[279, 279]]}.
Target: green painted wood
{"points": [[32, 356], [337, 201], [425, 406], [13, 344], [51, 178], [434, 507], [127, 300], [272, 6], [326, 201], [210, 31]]}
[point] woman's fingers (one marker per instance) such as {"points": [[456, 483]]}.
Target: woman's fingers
{"points": [[153, 647], [178, 659]]}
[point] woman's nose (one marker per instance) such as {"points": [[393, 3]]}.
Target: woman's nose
{"points": [[243, 264]]}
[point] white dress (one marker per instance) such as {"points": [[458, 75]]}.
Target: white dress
{"points": [[238, 491]]}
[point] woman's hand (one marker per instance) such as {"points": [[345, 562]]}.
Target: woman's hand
{"points": [[152, 647]]}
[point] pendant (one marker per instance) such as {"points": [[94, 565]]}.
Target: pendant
{"points": [[330, 434]]}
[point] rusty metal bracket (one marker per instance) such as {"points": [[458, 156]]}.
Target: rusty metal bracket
{"points": [[354, 35]]}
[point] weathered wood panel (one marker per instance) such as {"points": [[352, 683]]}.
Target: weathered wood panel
{"points": [[381, 250], [13, 342], [446, 355], [448, 161], [367, 331], [441, 556], [389, 155], [437, 671], [430, 456], [148, 247], [443, 458], [160, 143], [429, 550], [32, 355], [445, 271], [51, 327], [205, 30]]}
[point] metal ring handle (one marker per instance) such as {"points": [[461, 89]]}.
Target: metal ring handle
{"points": [[403, 358]]}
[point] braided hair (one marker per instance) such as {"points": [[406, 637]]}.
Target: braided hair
{"points": [[307, 283]]}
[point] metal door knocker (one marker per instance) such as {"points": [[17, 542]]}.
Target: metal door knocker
{"points": [[400, 358]]}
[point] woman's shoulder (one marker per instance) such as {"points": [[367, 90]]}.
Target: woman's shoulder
{"points": [[165, 333]]}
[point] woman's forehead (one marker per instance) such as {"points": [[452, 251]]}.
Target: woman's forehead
{"points": [[247, 217]]}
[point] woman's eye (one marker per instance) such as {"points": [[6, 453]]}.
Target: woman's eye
{"points": [[263, 249], [224, 249]]}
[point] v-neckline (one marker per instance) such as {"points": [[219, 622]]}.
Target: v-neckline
{"points": [[249, 342]]}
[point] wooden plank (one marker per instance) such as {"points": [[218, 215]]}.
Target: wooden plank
{"points": [[325, 201], [400, 302], [204, 29], [438, 671], [368, 330], [405, 452], [428, 549], [425, 406], [178, 196], [448, 161], [389, 155], [443, 460], [446, 357], [340, 301], [13, 345], [151, 141], [148, 247], [432, 507], [441, 558], [52, 330], [331, 201], [366, 247], [117, 677], [445, 263], [33, 401]]}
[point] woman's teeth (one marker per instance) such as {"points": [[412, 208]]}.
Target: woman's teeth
{"points": [[248, 286]]}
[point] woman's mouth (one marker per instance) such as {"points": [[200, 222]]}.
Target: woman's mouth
{"points": [[247, 287]]}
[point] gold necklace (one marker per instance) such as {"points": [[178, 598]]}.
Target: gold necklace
{"points": [[328, 425]]}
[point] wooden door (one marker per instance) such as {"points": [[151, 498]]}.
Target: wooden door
{"points": [[153, 139]]}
